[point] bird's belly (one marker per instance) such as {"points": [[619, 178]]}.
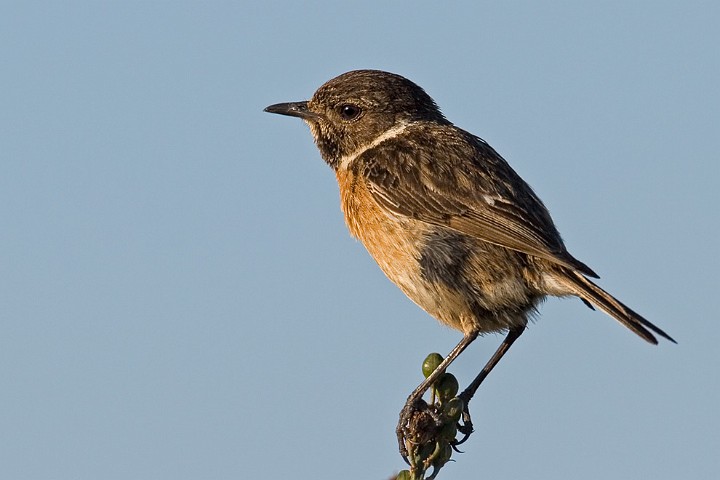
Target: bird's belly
{"points": [[463, 282]]}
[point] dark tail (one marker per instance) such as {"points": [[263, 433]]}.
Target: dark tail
{"points": [[579, 285]]}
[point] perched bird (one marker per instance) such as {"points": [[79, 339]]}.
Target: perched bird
{"points": [[444, 216]]}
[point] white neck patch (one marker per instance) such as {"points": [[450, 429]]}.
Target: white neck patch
{"points": [[346, 160]]}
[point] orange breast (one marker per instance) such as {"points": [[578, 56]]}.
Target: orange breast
{"points": [[396, 244], [393, 242]]}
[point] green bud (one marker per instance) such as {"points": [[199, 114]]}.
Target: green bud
{"points": [[447, 387], [448, 432], [403, 475], [431, 363], [425, 451], [443, 457], [453, 408]]}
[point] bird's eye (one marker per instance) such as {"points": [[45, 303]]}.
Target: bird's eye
{"points": [[349, 111]]}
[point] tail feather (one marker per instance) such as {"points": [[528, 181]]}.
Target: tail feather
{"points": [[588, 292]]}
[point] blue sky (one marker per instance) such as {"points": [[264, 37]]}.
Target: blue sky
{"points": [[180, 299]]}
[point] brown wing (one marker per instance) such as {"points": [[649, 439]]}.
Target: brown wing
{"points": [[466, 186]]}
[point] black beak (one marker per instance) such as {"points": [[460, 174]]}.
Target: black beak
{"points": [[292, 109]]}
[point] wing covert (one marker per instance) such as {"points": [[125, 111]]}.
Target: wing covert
{"points": [[482, 197]]}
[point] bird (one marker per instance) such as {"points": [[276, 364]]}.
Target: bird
{"points": [[445, 217]]}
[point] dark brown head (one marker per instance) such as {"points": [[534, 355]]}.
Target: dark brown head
{"points": [[356, 108]]}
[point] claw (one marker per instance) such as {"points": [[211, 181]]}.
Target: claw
{"points": [[405, 415], [466, 428], [454, 446]]}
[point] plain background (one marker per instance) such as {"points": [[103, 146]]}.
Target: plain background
{"points": [[179, 297]]}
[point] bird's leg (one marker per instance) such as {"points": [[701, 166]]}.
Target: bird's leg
{"points": [[467, 428], [415, 403]]}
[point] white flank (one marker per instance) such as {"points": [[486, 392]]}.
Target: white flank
{"points": [[346, 160]]}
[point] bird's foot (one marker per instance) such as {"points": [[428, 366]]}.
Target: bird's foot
{"points": [[418, 425], [466, 427]]}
